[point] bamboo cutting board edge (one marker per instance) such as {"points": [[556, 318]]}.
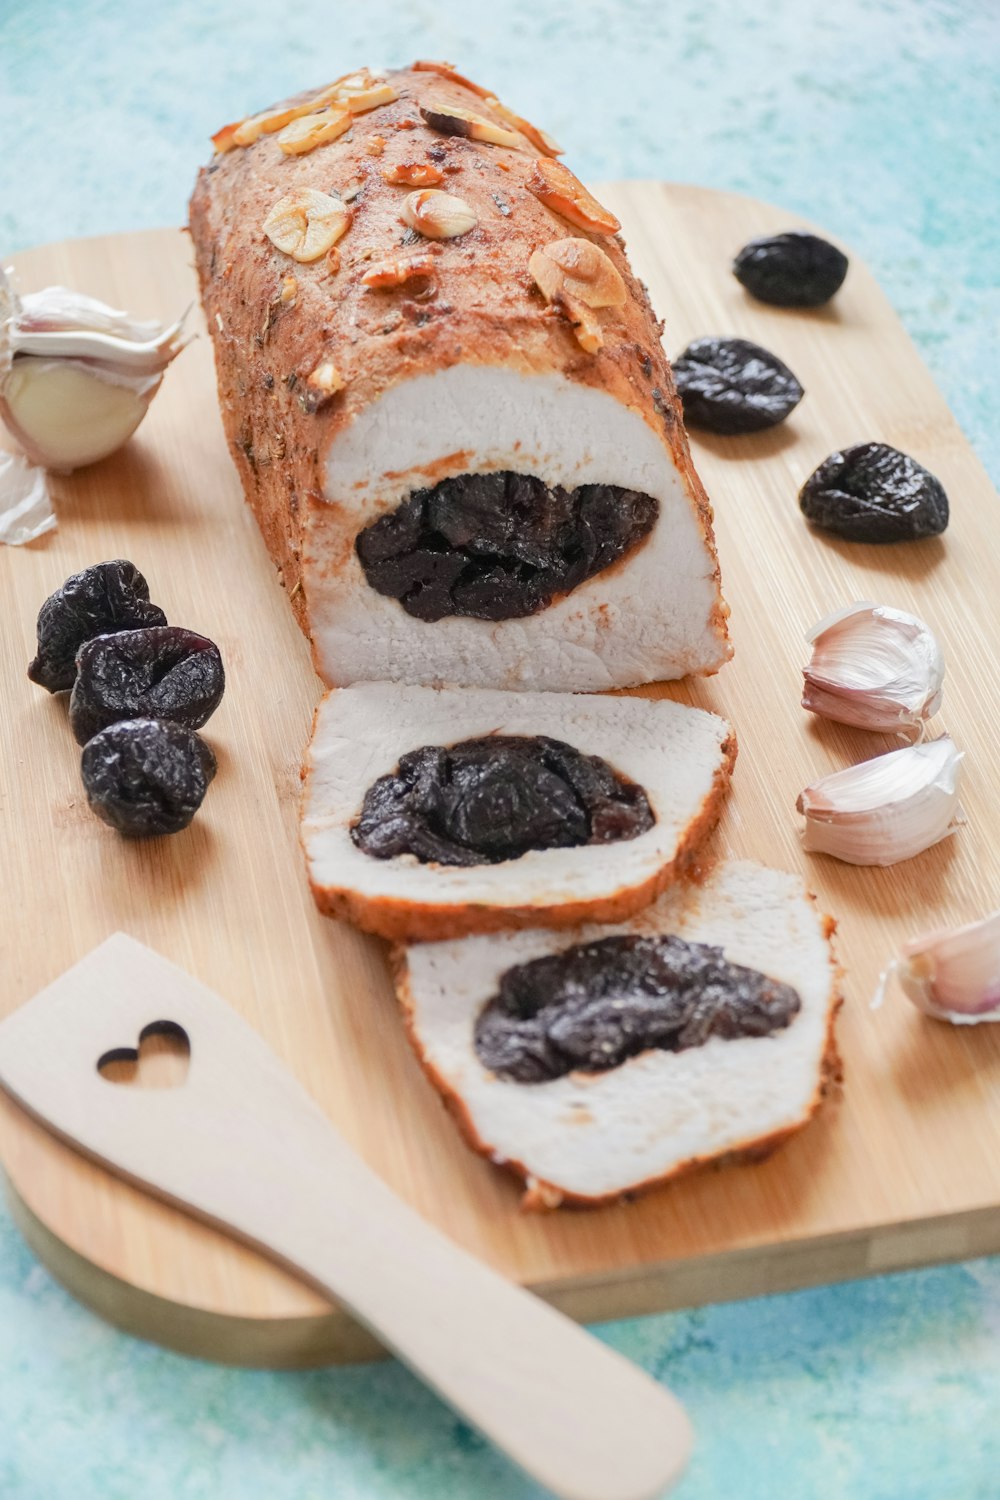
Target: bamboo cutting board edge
{"points": [[200, 1294], [334, 1337]]}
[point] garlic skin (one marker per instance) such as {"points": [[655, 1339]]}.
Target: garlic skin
{"points": [[76, 376], [954, 974], [26, 511], [874, 667], [887, 809]]}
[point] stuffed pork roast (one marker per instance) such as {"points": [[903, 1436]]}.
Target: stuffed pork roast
{"points": [[600, 1060], [445, 393]]}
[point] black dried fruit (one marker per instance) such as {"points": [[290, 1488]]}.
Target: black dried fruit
{"points": [[499, 546], [109, 596], [162, 672], [146, 776], [732, 386], [488, 800], [874, 493], [594, 1005], [796, 269]]}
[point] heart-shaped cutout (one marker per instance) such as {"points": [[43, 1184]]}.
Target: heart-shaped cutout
{"points": [[159, 1062]]}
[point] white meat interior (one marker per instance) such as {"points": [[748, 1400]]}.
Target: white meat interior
{"points": [[647, 617]]}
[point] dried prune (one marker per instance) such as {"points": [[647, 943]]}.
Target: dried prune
{"points": [[595, 1004], [146, 776], [795, 269], [732, 386], [109, 596], [874, 493], [499, 546], [488, 800], [162, 672]]}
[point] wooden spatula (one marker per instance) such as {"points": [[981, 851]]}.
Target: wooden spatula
{"points": [[240, 1143]]}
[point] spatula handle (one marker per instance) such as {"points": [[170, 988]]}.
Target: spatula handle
{"points": [[574, 1414]]}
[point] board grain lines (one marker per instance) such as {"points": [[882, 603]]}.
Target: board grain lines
{"points": [[900, 1170]]}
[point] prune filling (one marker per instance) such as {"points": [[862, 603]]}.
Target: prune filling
{"points": [[487, 800], [499, 546], [594, 1005]]}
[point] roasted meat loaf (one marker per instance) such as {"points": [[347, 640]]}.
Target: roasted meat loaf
{"points": [[446, 396], [601, 1060], [433, 812]]}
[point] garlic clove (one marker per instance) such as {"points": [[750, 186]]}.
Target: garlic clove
{"points": [[954, 974], [886, 809], [66, 413], [76, 375], [874, 667]]}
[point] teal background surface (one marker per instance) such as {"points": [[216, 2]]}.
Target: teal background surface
{"points": [[877, 118]]}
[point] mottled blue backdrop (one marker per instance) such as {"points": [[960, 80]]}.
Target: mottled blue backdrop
{"points": [[879, 119]]}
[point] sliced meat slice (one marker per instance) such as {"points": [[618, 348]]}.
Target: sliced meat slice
{"points": [[589, 1136], [598, 818]]}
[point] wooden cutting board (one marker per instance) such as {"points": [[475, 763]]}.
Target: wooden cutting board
{"points": [[902, 1170]]}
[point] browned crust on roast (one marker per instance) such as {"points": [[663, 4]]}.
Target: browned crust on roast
{"points": [[412, 921], [541, 1195], [487, 309]]}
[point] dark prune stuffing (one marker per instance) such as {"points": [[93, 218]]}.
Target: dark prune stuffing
{"points": [[595, 1004], [488, 800], [146, 776], [499, 546], [874, 493], [796, 269], [109, 596], [732, 386], [162, 672]]}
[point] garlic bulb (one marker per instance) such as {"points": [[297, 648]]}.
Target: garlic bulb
{"points": [[873, 667], [953, 974], [887, 809], [76, 376]]}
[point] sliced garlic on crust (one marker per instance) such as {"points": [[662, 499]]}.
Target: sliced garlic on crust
{"points": [[359, 101], [306, 224], [310, 131], [250, 130], [450, 120], [447, 70], [575, 277], [438, 215], [557, 187], [395, 270], [414, 174]]}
